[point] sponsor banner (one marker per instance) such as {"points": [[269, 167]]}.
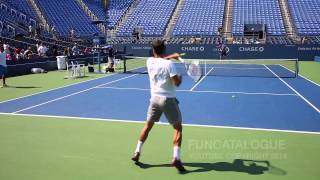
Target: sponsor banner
{"points": [[308, 52], [234, 51]]}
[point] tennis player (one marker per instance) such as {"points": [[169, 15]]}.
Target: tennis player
{"points": [[110, 67], [3, 67], [163, 79], [223, 50]]}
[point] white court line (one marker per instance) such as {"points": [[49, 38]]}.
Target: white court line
{"points": [[301, 76], [239, 68], [60, 87], [119, 88], [302, 97], [63, 97], [215, 92], [142, 122], [201, 80], [55, 89]]}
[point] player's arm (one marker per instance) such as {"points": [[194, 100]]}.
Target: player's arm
{"points": [[174, 76], [177, 79], [173, 56]]}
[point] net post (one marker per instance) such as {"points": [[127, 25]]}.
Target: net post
{"points": [[205, 67], [297, 67], [124, 64]]}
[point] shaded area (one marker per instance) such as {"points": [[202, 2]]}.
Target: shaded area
{"points": [[23, 87]]}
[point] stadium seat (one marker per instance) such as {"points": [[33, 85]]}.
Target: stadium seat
{"points": [[67, 14], [306, 16], [257, 12], [198, 19], [152, 15]]}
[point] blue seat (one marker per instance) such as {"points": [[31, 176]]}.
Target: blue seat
{"points": [[152, 15], [66, 15], [306, 16]]}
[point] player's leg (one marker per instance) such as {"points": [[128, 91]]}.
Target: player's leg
{"points": [[177, 140], [173, 114], [154, 114], [3, 76], [142, 138], [4, 80], [145, 131]]}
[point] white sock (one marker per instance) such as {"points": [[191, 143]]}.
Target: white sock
{"points": [[176, 152], [139, 146]]}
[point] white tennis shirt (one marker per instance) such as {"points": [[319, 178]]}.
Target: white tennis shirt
{"points": [[160, 72]]}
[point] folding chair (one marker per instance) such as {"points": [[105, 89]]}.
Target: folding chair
{"points": [[75, 70], [118, 64]]}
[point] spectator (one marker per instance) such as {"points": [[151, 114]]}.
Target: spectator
{"points": [[42, 50], [87, 50], [303, 40], [219, 31], [22, 54], [75, 49], [72, 33], [28, 53], [17, 53], [246, 41], [30, 30], [53, 32], [234, 41], [6, 48], [66, 51]]}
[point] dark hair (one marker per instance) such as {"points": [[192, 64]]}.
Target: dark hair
{"points": [[158, 46]]}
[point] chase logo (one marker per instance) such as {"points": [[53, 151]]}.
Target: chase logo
{"points": [[261, 49], [193, 48], [251, 49], [227, 49]]}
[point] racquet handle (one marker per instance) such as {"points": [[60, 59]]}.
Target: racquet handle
{"points": [[180, 59]]}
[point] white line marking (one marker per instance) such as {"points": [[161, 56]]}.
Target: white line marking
{"points": [[142, 122], [106, 76], [55, 89], [119, 88], [246, 93], [63, 97], [302, 76], [201, 80], [231, 68], [216, 92], [308, 102]]}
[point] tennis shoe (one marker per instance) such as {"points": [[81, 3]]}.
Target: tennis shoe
{"points": [[3, 86], [178, 164], [136, 157]]}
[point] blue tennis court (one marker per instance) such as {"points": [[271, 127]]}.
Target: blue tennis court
{"points": [[272, 103]]}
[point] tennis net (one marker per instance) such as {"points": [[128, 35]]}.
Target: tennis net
{"points": [[273, 68]]}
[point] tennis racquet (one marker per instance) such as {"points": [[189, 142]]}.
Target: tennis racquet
{"points": [[193, 68]]}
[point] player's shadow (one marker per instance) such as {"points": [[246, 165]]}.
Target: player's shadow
{"points": [[251, 167], [23, 87], [238, 165]]}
